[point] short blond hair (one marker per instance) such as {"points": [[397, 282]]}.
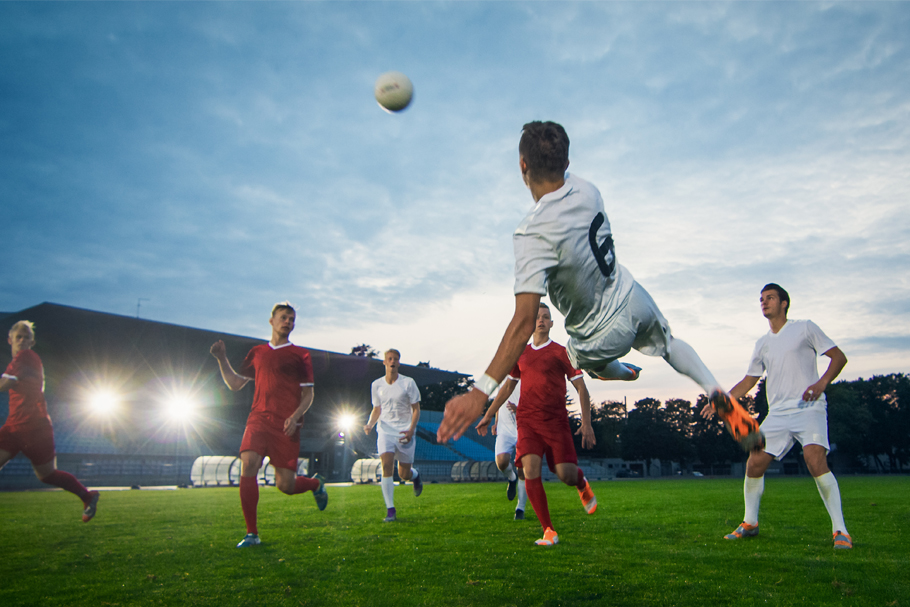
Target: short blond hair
{"points": [[283, 305], [392, 350], [23, 324]]}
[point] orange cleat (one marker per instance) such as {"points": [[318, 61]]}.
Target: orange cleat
{"points": [[741, 426], [549, 538], [587, 498]]}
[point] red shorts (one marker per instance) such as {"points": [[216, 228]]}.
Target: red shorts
{"points": [[553, 441], [266, 438], [35, 441]]}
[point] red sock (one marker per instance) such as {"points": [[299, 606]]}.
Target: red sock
{"points": [[534, 487], [65, 480], [249, 499], [581, 481], [304, 484]]}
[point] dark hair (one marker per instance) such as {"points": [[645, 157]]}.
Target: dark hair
{"points": [[781, 293], [543, 305], [545, 148]]}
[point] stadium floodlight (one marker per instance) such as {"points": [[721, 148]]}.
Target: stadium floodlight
{"points": [[346, 421], [179, 407], [104, 402]]}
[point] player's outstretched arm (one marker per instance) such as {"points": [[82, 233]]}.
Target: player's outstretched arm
{"points": [[6, 383], [230, 377], [374, 418], [588, 440], [505, 391], [296, 419], [465, 408], [835, 366]]}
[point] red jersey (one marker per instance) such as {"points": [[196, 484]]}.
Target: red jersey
{"points": [[543, 371], [26, 398], [279, 373]]}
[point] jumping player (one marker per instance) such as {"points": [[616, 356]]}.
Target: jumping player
{"points": [[283, 374], [396, 408], [543, 424], [564, 246], [506, 432], [28, 427], [797, 408]]}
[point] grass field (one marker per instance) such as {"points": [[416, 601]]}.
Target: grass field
{"points": [[650, 543]]}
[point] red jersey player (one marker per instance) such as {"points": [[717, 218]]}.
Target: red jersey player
{"points": [[28, 427], [543, 424], [283, 374]]}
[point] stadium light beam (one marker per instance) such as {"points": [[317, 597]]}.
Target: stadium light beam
{"points": [[180, 408], [104, 402], [346, 421]]}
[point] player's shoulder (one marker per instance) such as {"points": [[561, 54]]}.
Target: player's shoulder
{"points": [[27, 357]]}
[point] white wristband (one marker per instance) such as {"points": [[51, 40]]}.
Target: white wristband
{"points": [[486, 384]]}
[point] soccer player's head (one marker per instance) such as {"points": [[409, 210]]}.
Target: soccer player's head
{"points": [[544, 151], [283, 318], [21, 336], [544, 320], [391, 359], [774, 298]]}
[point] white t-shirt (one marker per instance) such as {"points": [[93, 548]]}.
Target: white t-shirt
{"points": [[564, 245], [394, 401], [790, 358], [506, 422]]}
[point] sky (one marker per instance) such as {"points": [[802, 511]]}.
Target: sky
{"points": [[194, 163]]}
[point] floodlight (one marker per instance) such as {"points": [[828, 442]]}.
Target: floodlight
{"points": [[104, 402], [346, 421], [179, 407]]}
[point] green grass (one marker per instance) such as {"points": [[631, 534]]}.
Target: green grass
{"points": [[650, 543]]}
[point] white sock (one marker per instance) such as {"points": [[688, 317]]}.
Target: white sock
{"points": [[388, 491], [510, 472], [414, 474], [522, 495], [685, 360], [830, 492], [752, 490]]}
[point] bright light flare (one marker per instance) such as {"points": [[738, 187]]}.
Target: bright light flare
{"points": [[104, 402], [180, 407], [346, 421]]}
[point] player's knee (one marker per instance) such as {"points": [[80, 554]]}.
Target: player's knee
{"points": [[285, 486]]}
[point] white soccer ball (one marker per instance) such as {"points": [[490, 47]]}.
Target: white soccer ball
{"points": [[393, 91]]}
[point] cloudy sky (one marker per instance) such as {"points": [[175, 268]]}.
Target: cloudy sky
{"points": [[206, 160]]}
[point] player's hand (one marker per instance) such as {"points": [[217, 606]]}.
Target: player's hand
{"points": [[460, 412], [483, 425], [707, 411], [588, 440], [814, 391], [494, 428], [512, 408], [406, 437], [367, 429], [292, 424], [217, 349]]}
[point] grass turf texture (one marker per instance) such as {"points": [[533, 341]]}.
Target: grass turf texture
{"points": [[649, 543]]}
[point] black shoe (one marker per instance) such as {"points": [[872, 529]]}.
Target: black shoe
{"points": [[519, 515], [513, 488]]}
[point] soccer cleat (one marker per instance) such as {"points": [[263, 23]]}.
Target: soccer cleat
{"points": [[250, 539], [418, 486], [741, 426], [91, 506], [636, 373], [321, 495], [842, 541], [519, 514], [513, 488], [549, 538], [744, 530], [587, 498], [390, 516]]}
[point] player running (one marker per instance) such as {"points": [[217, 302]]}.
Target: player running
{"points": [[396, 408], [506, 431], [283, 374], [797, 408], [543, 424], [564, 247], [28, 427]]}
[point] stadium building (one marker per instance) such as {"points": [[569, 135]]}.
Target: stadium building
{"points": [[137, 402]]}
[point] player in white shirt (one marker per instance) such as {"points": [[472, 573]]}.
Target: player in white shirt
{"points": [[797, 408], [396, 408], [506, 431], [564, 248]]}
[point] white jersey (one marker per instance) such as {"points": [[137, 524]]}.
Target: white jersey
{"points": [[506, 423], [564, 246], [789, 357], [394, 401]]}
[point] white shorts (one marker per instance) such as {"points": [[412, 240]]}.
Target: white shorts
{"points": [[505, 443], [639, 324], [808, 427], [390, 443]]}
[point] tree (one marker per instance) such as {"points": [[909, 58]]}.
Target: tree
{"points": [[643, 433], [710, 441], [365, 351], [435, 397]]}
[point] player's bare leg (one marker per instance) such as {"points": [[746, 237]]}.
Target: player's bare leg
{"points": [[287, 481], [573, 476], [250, 462], [407, 472]]}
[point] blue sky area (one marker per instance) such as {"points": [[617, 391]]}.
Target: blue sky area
{"points": [[209, 159]]}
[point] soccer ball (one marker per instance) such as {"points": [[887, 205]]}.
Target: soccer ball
{"points": [[393, 91]]}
